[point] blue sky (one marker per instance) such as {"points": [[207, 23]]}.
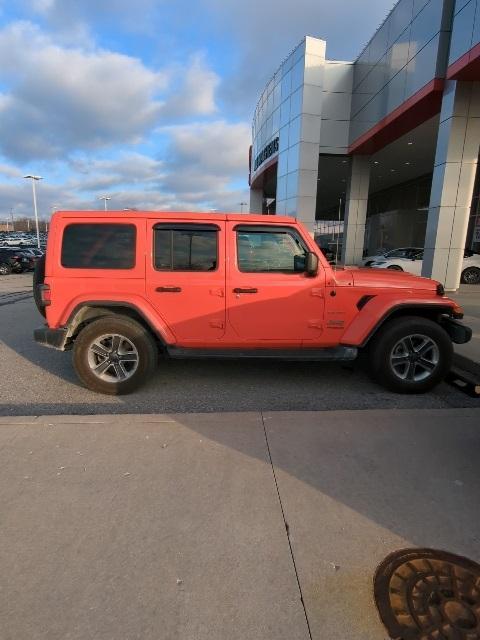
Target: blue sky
{"points": [[149, 101]]}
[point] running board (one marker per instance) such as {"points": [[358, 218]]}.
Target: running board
{"points": [[339, 354]]}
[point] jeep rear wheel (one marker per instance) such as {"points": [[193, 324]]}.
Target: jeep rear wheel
{"points": [[410, 355], [114, 355]]}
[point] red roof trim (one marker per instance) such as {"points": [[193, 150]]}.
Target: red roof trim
{"points": [[420, 107], [467, 67]]}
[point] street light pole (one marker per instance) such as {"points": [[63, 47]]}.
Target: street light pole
{"points": [[105, 199], [242, 204], [34, 179]]}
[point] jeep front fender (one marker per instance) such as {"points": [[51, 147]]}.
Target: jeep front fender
{"points": [[379, 309]]}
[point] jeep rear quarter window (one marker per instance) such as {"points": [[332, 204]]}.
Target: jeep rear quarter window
{"points": [[98, 246], [185, 247]]}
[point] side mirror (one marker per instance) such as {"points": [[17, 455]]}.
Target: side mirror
{"points": [[311, 264]]}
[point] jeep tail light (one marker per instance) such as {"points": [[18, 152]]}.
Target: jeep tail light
{"points": [[45, 295]]}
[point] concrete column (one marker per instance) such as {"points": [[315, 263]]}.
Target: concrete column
{"points": [[256, 200], [453, 181], [356, 210]]}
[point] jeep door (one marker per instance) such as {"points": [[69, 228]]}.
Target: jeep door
{"points": [[269, 295], [186, 278]]}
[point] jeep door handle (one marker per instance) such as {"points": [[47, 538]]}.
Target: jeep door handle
{"points": [[168, 289], [240, 290]]}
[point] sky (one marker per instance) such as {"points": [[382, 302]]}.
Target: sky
{"points": [[147, 101]]}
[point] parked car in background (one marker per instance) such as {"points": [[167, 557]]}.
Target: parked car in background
{"points": [[413, 264], [15, 240], [11, 261], [28, 260], [402, 252]]}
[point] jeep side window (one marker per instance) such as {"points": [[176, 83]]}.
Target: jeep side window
{"points": [[270, 251], [98, 246], [185, 247]]}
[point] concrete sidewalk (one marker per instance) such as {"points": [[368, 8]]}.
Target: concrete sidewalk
{"points": [[214, 526]]}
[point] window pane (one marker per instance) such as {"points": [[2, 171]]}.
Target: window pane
{"points": [[163, 252], [270, 251], [193, 250], [99, 246]]}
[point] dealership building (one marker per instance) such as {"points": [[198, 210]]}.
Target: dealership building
{"points": [[381, 152]]}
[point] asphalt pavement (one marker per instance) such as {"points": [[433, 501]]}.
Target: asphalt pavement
{"points": [[246, 526]]}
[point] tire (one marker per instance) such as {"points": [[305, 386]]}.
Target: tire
{"points": [[396, 360], [5, 269], [38, 279], [137, 360], [394, 267], [470, 275]]}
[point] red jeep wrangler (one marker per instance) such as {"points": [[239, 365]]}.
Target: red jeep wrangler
{"points": [[120, 288]]}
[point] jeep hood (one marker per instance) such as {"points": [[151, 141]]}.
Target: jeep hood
{"points": [[383, 279]]}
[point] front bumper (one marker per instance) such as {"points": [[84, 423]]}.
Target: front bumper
{"points": [[458, 332], [54, 338]]}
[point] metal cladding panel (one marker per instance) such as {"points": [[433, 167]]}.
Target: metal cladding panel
{"points": [[462, 30], [414, 56]]}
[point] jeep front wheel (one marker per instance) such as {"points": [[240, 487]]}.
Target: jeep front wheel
{"points": [[410, 355], [114, 355]]}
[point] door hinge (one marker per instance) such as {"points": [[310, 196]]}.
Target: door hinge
{"points": [[217, 324], [317, 292], [217, 292], [315, 324]]}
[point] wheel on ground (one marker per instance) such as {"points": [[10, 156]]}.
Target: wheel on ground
{"points": [[471, 275], [114, 355], [5, 269], [395, 267], [38, 280], [410, 355]]}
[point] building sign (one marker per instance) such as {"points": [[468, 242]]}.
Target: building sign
{"points": [[266, 152]]}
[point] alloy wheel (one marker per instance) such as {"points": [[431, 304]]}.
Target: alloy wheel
{"points": [[414, 358], [112, 358]]}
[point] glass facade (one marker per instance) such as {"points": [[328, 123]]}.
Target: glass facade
{"points": [[465, 28], [397, 216], [375, 147], [406, 53]]}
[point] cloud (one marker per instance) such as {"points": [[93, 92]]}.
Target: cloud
{"points": [[194, 91], [62, 100], [127, 169], [205, 159], [205, 166], [66, 15], [9, 171]]}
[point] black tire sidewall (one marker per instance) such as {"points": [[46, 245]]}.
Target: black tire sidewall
{"points": [[8, 269], [382, 345], [476, 269], [136, 333]]}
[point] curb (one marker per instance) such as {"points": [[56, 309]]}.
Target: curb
{"points": [[465, 374]]}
